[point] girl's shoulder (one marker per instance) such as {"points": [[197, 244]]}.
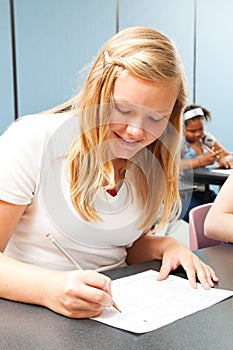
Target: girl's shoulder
{"points": [[39, 122], [185, 148], [39, 127], [26, 147]]}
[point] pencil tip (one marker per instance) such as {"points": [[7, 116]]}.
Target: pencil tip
{"points": [[116, 307]]}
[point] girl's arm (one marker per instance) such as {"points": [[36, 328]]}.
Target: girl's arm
{"points": [[173, 254], [222, 151], [75, 294], [192, 163], [219, 153], [208, 158], [219, 220], [10, 215]]}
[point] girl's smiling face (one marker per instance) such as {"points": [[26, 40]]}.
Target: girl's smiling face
{"points": [[142, 109]]}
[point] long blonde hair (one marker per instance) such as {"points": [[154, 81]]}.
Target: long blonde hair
{"points": [[147, 54]]}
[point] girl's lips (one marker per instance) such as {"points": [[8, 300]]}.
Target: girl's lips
{"points": [[127, 140], [128, 143]]}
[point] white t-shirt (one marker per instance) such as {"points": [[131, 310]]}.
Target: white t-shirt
{"points": [[34, 171]]}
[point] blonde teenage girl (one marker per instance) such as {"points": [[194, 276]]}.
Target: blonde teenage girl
{"points": [[96, 173]]}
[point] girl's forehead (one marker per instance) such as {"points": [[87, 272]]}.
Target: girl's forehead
{"points": [[156, 95], [195, 122]]}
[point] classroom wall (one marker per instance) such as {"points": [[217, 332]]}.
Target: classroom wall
{"points": [[54, 39], [6, 75], [159, 14], [214, 75]]}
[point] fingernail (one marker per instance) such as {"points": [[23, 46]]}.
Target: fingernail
{"points": [[107, 287], [207, 285], [109, 304]]}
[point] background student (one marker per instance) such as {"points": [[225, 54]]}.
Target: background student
{"points": [[219, 220], [200, 149], [59, 169]]}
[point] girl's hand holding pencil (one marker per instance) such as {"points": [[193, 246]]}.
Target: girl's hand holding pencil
{"points": [[224, 162], [209, 157], [213, 151], [78, 293]]}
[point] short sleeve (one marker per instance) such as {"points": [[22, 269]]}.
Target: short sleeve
{"points": [[21, 149], [186, 151]]}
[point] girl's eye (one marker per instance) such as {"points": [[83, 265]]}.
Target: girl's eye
{"points": [[122, 109], [154, 120]]}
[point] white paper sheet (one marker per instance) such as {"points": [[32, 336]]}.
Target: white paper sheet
{"points": [[222, 171], [147, 304]]}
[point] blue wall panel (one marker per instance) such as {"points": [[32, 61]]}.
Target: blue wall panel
{"points": [[54, 39], [174, 18], [215, 65], [6, 76]]}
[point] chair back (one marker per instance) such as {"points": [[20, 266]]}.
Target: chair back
{"points": [[197, 239]]}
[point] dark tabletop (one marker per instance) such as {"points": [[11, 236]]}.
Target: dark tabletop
{"points": [[206, 176], [24, 326]]}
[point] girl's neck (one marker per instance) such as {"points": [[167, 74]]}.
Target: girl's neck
{"points": [[119, 173]]}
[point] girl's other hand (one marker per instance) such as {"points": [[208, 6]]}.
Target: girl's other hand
{"points": [[226, 162], [176, 254]]}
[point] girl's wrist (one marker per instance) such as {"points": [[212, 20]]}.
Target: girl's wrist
{"points": [[165, 243], [200, 161]]}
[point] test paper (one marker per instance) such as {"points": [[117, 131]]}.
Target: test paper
{"points": [[148, 304]]}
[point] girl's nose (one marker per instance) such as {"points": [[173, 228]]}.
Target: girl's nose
{"points": [[135, 131]]}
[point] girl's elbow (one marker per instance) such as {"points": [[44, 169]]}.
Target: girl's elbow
{"points": [[209, 228]]}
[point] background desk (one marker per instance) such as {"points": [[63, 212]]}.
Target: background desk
{"points": [[206, 176], [24, 327]]}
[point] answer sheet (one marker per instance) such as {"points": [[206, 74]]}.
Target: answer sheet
{"points": [[222, 171], [147, 304]]}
